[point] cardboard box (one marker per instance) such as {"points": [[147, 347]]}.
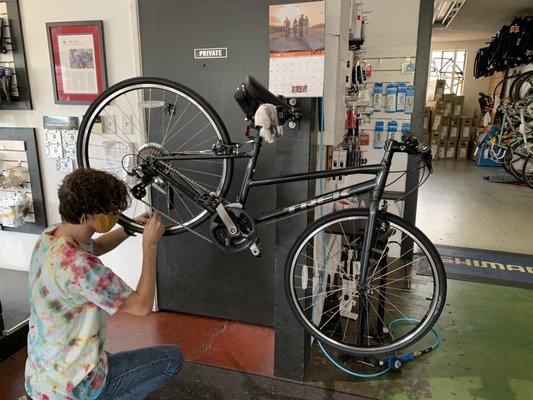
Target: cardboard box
{"points": [[451, 149], [439, 89], [425, 138], [434, 146], [448, 109], [458, 103], [466, 129], [436, 121], [444, 131], [427, 120], [455, 128], [441, 153], [462, 150]]}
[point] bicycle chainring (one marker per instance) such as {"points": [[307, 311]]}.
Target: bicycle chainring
{"points": [[234, 243]]}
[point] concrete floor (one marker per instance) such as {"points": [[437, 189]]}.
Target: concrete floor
{"points": [[485, 353], [457, 207]]}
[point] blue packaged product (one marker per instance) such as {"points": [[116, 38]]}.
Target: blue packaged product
{"points": [[406, 128], [392, 90], [400, 102], [392, 128], [378, 96], [409, 99], [378, 135]]}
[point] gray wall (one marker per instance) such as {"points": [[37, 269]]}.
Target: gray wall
{"points": [[194, 276]]}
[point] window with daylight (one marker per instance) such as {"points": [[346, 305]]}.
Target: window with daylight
{"points": [[449, 65]]}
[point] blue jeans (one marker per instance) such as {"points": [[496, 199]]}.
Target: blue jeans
{"points": [[134, 374]]}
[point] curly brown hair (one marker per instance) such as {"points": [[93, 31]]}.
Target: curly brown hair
{"points": [[89, 191]]}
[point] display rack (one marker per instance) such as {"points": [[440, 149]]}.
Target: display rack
{"points": [[18, 147], [14, 57]]}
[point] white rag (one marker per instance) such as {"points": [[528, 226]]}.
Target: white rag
{"points": [[266, 117]]}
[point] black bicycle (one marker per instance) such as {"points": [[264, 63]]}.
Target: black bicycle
{"points": [[350, 274]]}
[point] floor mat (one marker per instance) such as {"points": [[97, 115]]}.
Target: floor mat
{"points": [[488, 266], [198, 381]]}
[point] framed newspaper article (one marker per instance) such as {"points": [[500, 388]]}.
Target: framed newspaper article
{"points": [[77, 60]]}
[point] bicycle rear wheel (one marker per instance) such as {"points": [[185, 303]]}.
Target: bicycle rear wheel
{"points": [[147, 117], [405, 281]]}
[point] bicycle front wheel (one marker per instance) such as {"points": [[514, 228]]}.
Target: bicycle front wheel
{"points": [[141, 118], [405, 282]]}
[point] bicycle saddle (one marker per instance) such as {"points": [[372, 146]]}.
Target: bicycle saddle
{"points": [[261, 93]]}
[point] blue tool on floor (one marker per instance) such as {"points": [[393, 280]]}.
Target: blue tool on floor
{"points": [[393, 362]]}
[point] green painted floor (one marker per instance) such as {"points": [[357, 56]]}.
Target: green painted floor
{"points": [[486, 352]]}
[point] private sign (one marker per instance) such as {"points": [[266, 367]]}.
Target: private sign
{"points": [[213, 52]]}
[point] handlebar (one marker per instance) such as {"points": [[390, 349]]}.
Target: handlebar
{"points": [[411, 145]]}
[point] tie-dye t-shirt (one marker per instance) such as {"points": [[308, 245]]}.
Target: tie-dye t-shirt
{"points": [[70, 291]]}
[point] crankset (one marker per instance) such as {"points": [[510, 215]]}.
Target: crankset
{"points": [[233, 229]]}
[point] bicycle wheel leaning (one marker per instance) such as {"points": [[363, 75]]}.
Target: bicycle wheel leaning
{"points": [[513, 160], [406, 281], [527, 171], [144, 117]]}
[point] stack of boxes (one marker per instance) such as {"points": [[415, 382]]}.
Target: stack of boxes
{"points": [[445, 129]]}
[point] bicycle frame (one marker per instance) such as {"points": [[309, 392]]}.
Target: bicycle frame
{"points": [[376, 185]]}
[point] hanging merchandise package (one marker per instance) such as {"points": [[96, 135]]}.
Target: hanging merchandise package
{"points": [[392, 128], [400, 103], [378, 135], [392, 90], [406, 128], [378, 95], [409, 99]]}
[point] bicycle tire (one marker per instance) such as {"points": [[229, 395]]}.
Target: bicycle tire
{"points": [[516, 85], [527, 172], [420, 236], [88, 121], [511, 157]]}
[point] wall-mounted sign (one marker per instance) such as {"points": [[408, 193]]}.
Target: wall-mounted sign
{"points": [[60, 123], [211, 52]]}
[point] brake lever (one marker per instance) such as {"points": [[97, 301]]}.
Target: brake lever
{"points": [[425, 153]]}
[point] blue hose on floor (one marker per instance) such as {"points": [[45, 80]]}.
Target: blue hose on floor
{"points": [[392, 362]]}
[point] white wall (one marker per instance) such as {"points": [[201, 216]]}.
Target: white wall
{"points": [[123, 61], [391, 37], [471, 86]]}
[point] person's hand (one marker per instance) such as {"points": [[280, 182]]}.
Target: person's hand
{"points": [[153, 230], [143, 218]]}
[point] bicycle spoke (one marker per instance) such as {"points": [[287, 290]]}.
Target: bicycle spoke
{"points": [[192, 137], [184, 126], [135, 115]]}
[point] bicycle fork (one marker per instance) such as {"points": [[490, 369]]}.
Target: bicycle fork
{"points": [[362, 324]]}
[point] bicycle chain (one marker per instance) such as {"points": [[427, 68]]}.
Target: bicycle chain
{"points": [[192, 182], [180, 224]]}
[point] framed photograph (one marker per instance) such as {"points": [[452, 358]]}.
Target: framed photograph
{"points": [[77, 60]]}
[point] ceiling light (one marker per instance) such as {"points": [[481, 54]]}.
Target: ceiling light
{"points": [[444, 11]]}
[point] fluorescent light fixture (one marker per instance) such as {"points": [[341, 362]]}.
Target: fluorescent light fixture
{"points": [[444, 11]]}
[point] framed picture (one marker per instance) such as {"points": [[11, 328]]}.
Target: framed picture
{"points": [[77, 60]]}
